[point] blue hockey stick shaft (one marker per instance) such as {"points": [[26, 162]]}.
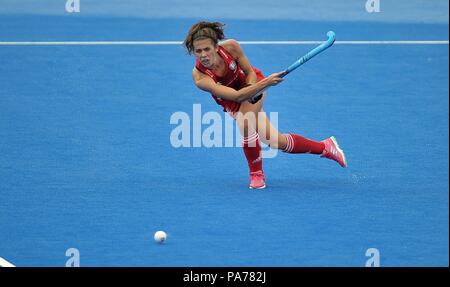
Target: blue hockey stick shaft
{"points": [[311, 54]]}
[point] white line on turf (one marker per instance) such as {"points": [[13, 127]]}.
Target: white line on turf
{"points": [[159, 43]]}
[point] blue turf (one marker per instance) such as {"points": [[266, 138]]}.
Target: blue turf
{"points": [[87, 162]]}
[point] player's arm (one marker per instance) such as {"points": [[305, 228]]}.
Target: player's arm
{"points": [[238, 54], [207, 84]]}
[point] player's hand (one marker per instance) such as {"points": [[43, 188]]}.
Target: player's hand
{"points": [[275, 78]]}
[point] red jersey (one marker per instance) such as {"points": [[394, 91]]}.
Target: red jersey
{"points": [[234, 77]]}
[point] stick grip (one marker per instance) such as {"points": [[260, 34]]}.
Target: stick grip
{"points": [[311, 54]]}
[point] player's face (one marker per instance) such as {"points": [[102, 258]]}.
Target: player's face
{"points": [[206, 51]]}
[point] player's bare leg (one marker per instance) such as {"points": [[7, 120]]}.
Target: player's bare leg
{"points": [[292, 143], [268, 133]]}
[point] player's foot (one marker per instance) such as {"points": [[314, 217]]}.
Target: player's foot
{"points": [[332, 151], [257, 180]]}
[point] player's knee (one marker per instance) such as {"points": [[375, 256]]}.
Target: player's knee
{"points": [[243, 126], [274, 145], [280, 143], [246, 122]]}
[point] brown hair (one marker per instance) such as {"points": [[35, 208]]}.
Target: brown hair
{"points": [[203, 30]]}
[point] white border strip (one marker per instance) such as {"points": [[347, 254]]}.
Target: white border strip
{"points": [[157, 43], [4, 263]]}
